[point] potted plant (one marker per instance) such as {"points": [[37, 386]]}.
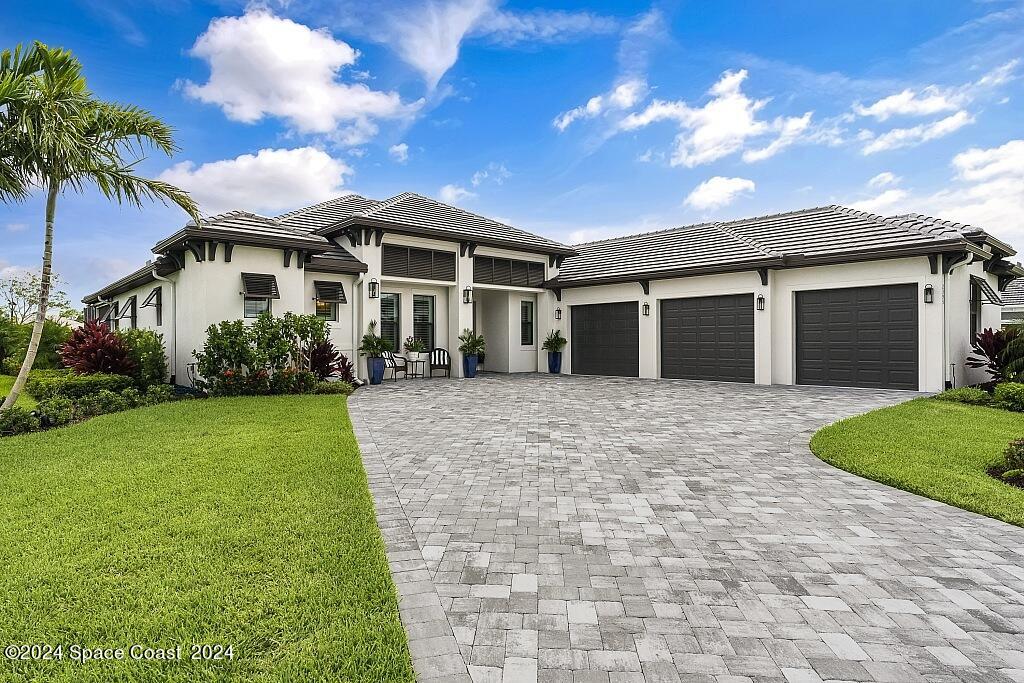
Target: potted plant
{"points": [[472, 347], [373, 347], [414, 348], [553, 344]]}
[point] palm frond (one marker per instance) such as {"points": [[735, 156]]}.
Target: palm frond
{"points": [[132, 127], [121, 184]]}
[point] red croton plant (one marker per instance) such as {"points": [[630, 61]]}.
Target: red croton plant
{"points": [[990, 345], [94, 348]]}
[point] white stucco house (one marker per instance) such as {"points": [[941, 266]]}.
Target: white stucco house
{"points": [[826, 296]]}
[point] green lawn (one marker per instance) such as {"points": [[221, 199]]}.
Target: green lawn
{"points": [[24, 400], [241, 521], [933, 448]]}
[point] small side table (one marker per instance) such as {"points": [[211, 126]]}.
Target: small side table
{"points": [[416, 368]]}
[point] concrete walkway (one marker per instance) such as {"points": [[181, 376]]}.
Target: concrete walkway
{"points": [[594, 529]]}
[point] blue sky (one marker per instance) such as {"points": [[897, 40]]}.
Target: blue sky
{"points": [[574, 120]]}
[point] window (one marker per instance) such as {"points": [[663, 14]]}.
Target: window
{"points": [[500, 271], [155, 299], [526, 323], [328, 310], [423, 319], [255, 305], [425, 264], [390, 311], [975, 307]]}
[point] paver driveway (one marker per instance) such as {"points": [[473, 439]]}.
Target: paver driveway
{"points": [[613, 529]]}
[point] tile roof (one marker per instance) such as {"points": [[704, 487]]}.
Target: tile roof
{"points": [[819, 233], [1013, 295], [422, 214], [311, 218]]}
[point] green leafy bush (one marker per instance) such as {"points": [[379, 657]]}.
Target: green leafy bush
{"points": [[47, 384], [969, 395], [17, 421], [146, 349], [554, 342], [1014, 455], [1010, 395], [343, 388], [56, 411]]}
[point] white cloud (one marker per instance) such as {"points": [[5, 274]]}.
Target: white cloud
{"points": [[509, 28], [884, 179], [722, 126], [269, 181], [623, 96], [453, 194], [495, 172], [986, 164], [264, 65], [399, 152], [907, 137], [884, 203], [930, 100], [717, 192], [16, 227]]}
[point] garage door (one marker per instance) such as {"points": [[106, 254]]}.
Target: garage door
{"points": [[606, 339], [710, 337], [858, 337]]}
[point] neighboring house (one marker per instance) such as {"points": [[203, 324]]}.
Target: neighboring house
{"points": [[1013, 303], [827, 296]]}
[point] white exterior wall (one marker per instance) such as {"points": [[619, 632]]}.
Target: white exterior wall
{"points": [[958, 295], [492, 321], [146, 317], [775, 327], [340, 331]]}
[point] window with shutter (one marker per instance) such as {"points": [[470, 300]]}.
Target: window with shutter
{"points": [[520, 273], [536, 274], [390, 310], [483, 269], [526, 323], [498, 271], [395, 261], [420, 264], [424, 264], [502, 271], [444, 265]]}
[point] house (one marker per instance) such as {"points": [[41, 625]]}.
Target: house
{"points": [[1013, 303], [825, 296]]}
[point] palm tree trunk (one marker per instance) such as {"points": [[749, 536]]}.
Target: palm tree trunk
{"points": [[44, 300]]}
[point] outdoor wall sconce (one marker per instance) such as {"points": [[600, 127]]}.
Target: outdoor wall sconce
{"points": [[647, 309], [929, 294], [760, 302], [467, 295], [558, 314], [373, 289]]}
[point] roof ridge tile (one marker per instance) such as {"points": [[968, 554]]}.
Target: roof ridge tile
{"points": [[306, 209], [745, 240]]}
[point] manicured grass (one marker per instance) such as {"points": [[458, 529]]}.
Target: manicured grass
{"points": [[24, 400], [242, 521], [937, 449]]}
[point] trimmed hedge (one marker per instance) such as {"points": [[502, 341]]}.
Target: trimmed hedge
{"points": [[969, 395], [17, 421], [1010, 395], [343, 388], [51, 383]]}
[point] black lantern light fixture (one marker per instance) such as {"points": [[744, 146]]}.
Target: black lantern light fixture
{"points": [[467, 295], [558, 314], [760, 302], [647, 309], [929, 294], [373, 289]]}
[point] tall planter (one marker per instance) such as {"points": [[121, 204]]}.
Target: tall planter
{"points": [[554, 362], [376, 368], [469, 365]]}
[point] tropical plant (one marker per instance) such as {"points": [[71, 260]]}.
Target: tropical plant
{"points": [[225, 350], [347, 371], [472, 343], [55, 135], [1013, 354], [94, 348], [991, 345], [414, 345], [373, 345], [1010, 395], [146, 349], [324, 359], [554, 342]]}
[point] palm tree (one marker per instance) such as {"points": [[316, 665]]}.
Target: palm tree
{"points": [[56, 136]]}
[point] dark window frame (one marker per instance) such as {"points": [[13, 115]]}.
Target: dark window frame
{"points": [[527, 323], [974, 303], [431, 341], [331, 313], [397, 341], [266, 299]]}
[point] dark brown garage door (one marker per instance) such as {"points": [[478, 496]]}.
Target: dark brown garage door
{"points": [[709, 337], [606, 339], [857, 337]]}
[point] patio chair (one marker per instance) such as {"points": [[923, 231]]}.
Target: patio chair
{"points": [[440, 360], [394, 363]]}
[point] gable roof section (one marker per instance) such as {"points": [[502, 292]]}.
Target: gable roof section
{"points": [[819, 235], [418, 215], [245, 228]]}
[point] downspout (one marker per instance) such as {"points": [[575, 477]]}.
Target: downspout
{"points": [[174, 321], [949, 377]]}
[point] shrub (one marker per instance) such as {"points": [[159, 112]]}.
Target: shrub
{"points": [[472, 343], [1014, 455], [324, 359], [991, 349], [44, 384], [158, 393], [347, 371], [1010, 395], [970, 395], [56, 411], [554, 341], [17, 421], [94, 348], [146, 349], [343, 388]]}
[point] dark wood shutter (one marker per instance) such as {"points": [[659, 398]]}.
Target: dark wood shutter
{"points": [[330, 292], [501, 271], [420, 265], [260, 286], [395, 261], [536, 277], [444, 265], [483, 269], [423, 264], [520, 273]]}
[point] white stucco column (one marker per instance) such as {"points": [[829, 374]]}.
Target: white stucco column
{"points": [[369, 309], [460, 315], [649, 337], [763, 330]]}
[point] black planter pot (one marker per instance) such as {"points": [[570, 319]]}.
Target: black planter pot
{"points": [[554, 362]]}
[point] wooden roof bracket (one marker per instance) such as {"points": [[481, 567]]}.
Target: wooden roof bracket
{"points": [[763, 274], [645, 285]]}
